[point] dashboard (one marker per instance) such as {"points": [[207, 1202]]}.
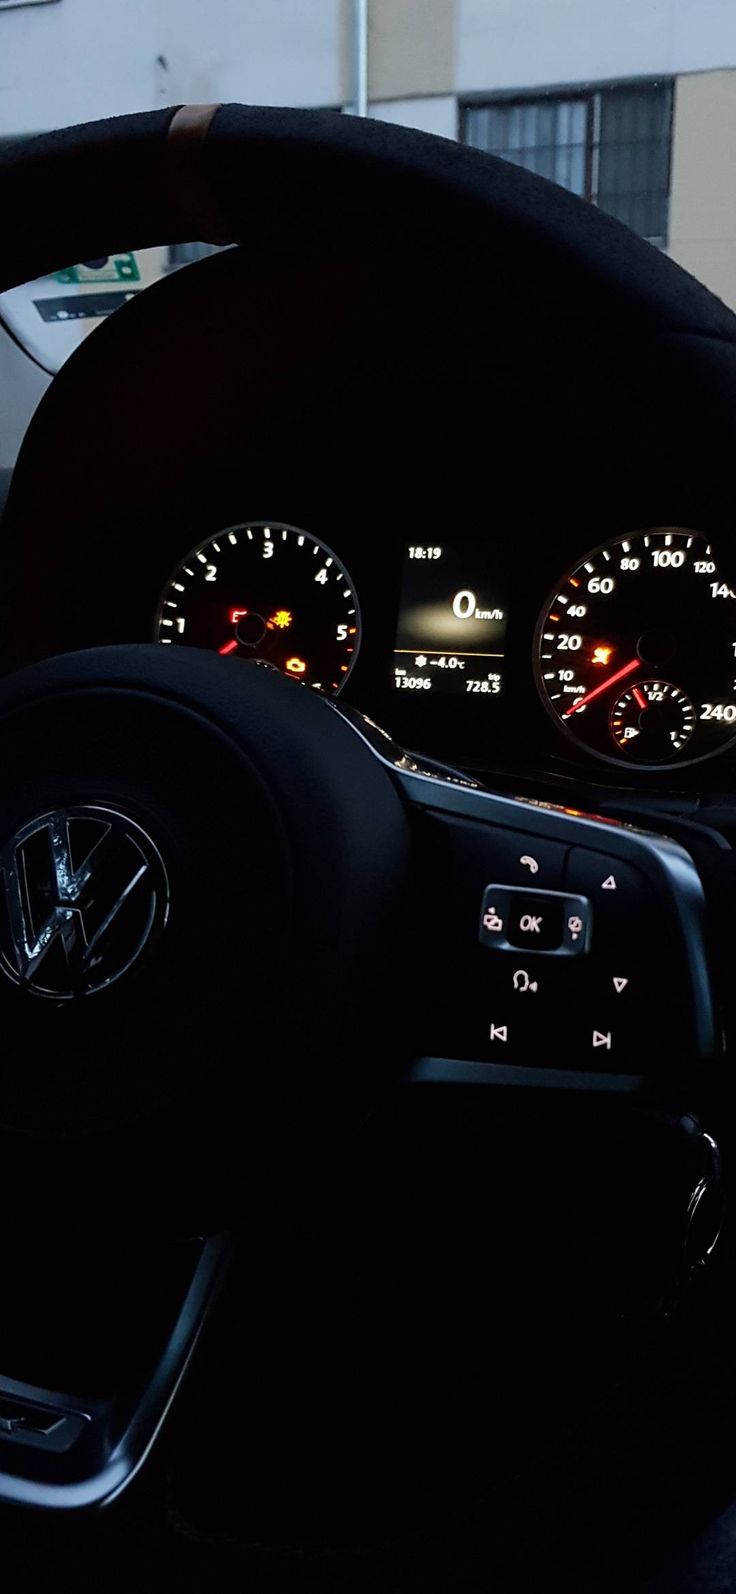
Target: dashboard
{"points": [[625, 660], [633, 652], [321, 473], [613, 663]]}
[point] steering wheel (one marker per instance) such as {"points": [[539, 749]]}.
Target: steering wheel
{"points": [[219, 888]]}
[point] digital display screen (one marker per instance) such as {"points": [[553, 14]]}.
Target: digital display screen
{"points": [[452, 621]]}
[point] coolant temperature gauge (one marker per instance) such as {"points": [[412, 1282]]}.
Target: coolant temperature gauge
{"points": [[651, 721]]}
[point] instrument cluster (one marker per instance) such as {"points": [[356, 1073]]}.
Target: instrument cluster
{"points": [[633, 654]]}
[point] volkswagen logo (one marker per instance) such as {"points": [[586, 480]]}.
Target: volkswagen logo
{"points": [[83, 895]]}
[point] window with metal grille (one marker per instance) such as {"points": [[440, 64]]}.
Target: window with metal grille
{"points": [[611, 145]]}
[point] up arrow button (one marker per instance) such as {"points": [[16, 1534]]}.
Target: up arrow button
{"points": [[619, 983]]}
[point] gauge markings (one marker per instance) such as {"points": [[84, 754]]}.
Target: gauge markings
{"points": [[656, 714], [649, 610], [259, 601]]}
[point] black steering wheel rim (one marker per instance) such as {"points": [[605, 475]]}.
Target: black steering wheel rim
{"points": [[229, 173]]}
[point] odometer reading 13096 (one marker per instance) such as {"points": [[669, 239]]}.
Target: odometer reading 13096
{"points": [[270, 594], [451, 630], [635, 651]]}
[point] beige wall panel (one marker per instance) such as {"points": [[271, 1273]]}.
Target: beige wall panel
{"points": [[712, 263], [702, 227], [411, 48]]}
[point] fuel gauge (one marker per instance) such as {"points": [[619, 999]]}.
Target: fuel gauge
{"points": [[652, 721]]}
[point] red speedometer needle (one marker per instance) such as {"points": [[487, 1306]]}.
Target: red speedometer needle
{"points": [[229, 647], [596, 692]]}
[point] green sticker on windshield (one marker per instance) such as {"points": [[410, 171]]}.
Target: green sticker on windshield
{"points": [[106, 268]]}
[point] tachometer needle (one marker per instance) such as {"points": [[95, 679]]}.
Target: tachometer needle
{"points": [[580, 702], [229, 647]]}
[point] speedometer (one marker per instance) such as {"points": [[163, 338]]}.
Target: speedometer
{"points": [[269, 593], [635, 650]]}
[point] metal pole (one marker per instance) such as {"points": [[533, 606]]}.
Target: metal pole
{"points": [[360, 23]]}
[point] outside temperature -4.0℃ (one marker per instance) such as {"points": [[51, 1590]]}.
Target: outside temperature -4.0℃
{"points": [[452, 623]]}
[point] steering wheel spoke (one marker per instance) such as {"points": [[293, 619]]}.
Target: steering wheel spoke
{"points": [[78, 1422], [551, 949]]}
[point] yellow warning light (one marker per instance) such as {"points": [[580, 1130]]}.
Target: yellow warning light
{"points": [[296, 666], [281, 619], [602, 653]]}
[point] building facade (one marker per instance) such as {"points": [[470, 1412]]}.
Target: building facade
{"points": [[631, 103]]}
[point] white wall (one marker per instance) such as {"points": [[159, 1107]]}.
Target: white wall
{"points": [[84, 58], [506, 44], [433, 113], [81, 59]]}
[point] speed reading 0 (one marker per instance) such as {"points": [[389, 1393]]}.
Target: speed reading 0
{"points": [[451, 630], [635, 650]]}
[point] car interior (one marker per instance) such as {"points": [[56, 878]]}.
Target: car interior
{"points": [[367, 977]]}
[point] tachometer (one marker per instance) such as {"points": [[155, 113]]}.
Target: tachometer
{"points": [[635, 651], [270, 593]]}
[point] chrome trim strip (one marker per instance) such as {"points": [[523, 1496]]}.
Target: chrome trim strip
{"points": [[455, 1071], [134, 1441]]}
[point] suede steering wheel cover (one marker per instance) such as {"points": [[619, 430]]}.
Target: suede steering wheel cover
{"points": [[235, 173]]}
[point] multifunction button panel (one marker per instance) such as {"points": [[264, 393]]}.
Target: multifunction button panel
{"points": [[513, 919], [560, 956]]}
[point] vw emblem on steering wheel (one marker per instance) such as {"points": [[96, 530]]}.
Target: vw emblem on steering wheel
{"points": [[85, 895]]}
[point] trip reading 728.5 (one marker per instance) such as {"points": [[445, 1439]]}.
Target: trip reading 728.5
{"points": [[452, 622]]}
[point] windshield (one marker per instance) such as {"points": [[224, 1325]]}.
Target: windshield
{"points": [[632, 106]]}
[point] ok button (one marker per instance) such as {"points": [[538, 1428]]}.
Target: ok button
{"points": [[535, 923]]}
